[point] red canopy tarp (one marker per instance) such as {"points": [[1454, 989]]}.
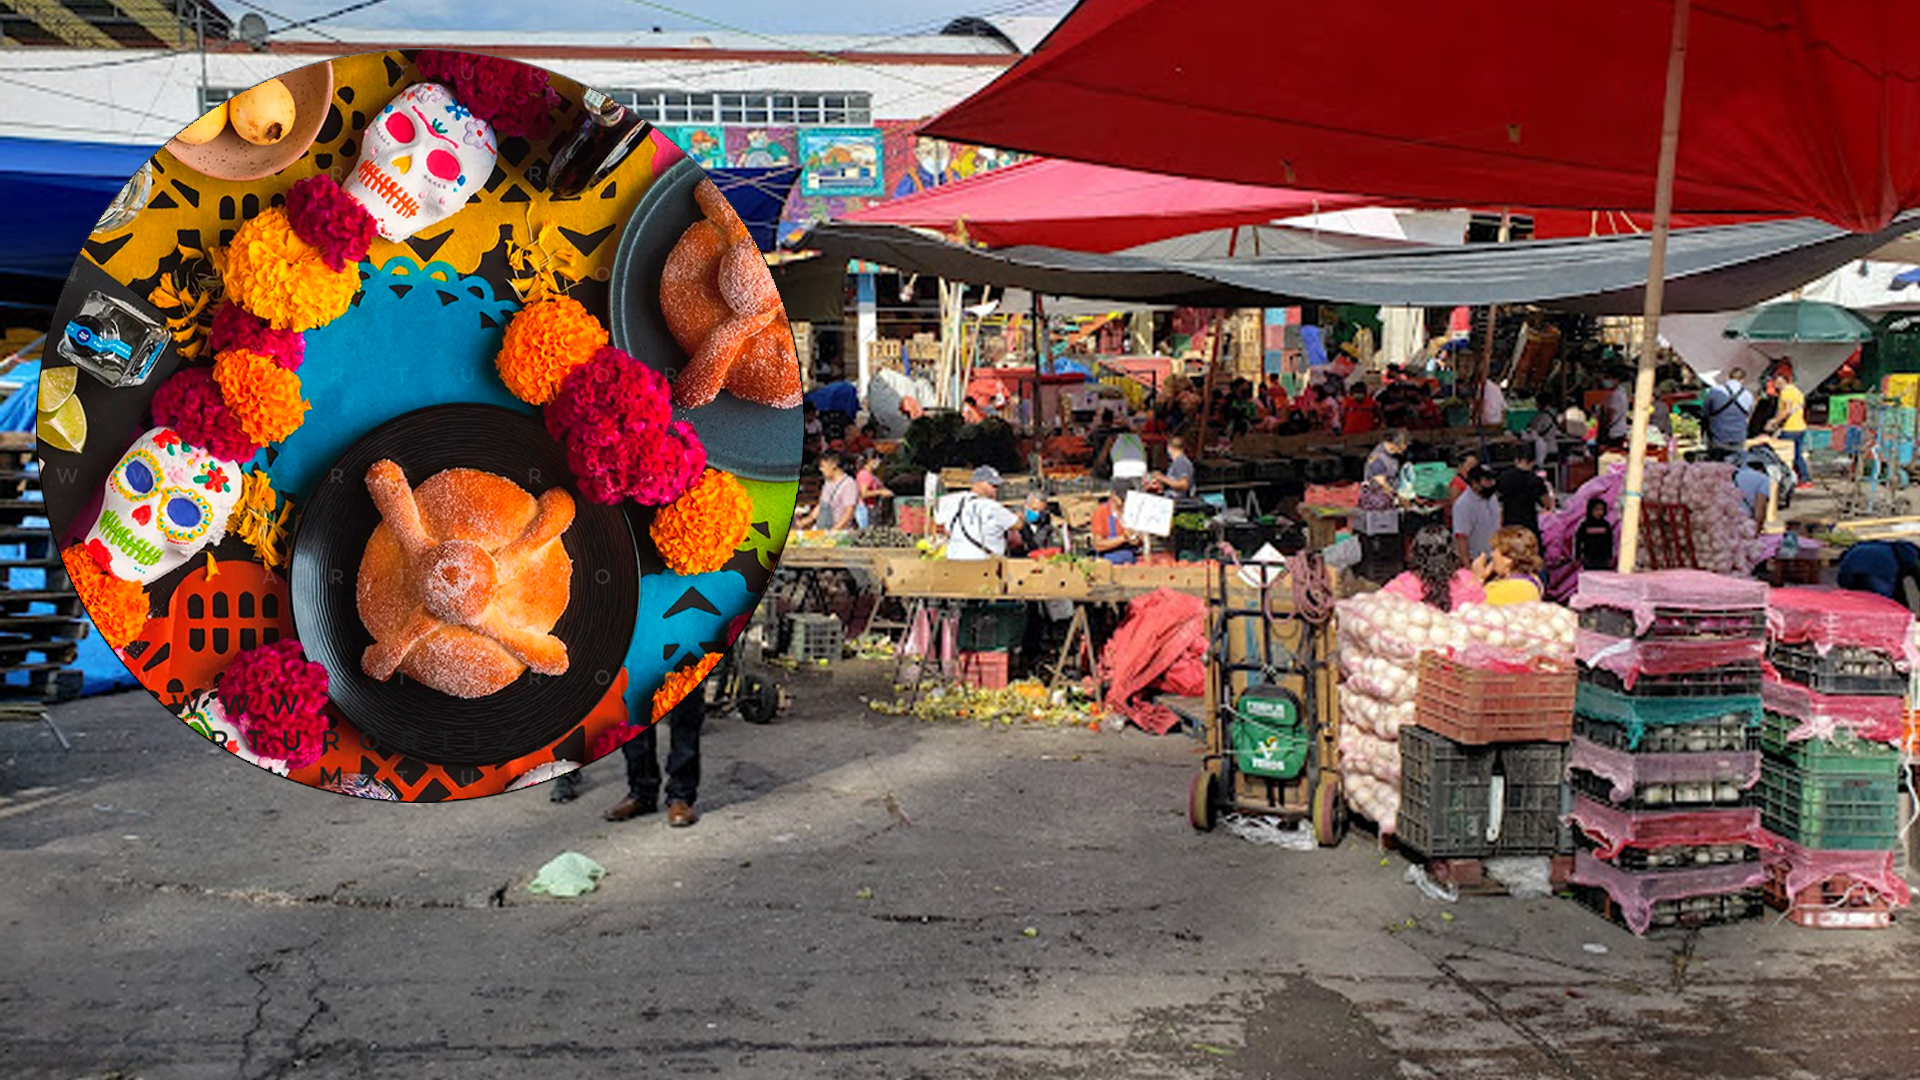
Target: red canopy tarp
{"points": [[1790, 106], [1080, 207]]}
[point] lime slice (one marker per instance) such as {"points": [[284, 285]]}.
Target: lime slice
{"points": [[65, 428], [56, 386]]}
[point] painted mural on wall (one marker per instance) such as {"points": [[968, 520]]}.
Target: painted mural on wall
{"points": [[911, 163], [842, 161], [704, 143], [762, 147]]}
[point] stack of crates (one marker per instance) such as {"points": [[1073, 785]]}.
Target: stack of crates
{"points": [[41, 619], [1835, 711], [812, 639], [1481, 773], [1665, 760], [990, 632]]}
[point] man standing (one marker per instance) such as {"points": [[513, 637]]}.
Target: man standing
{"points": [[1619, 411], [683, 724], [976, 523], [1727, 409], [1790, 420], [1476, 515], [1177, 481], [1523, 497]]}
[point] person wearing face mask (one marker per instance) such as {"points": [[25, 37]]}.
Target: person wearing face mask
{"points": [[1038, 531]]}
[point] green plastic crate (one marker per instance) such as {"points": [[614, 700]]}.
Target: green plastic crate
{"points": [[994, 626], [1431, 480], [1519, 416], [1845, 753], [1636, 714], [1832, 811]]}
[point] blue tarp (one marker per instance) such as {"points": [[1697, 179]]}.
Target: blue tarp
{"points": [[54, 193], [758, 196], [102, 670], [840, 397]]}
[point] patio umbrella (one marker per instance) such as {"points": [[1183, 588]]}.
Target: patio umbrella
{"points": [[1804, 107], [1801, 322]]}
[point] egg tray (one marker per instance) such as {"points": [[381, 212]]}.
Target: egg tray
{"points": [[1845, 670], [1712, 795]]}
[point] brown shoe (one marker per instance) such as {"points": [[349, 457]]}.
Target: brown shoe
{"points": [[629, 808], [680, 815]]}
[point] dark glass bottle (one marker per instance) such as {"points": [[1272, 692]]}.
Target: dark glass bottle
{"points": [[605, 134]]}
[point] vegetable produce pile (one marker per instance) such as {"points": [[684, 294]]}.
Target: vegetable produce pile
{"points": [[883, 536], [1381, 638]]}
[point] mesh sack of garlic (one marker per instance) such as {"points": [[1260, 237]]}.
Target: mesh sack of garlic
{"points": [[1726, 538]]}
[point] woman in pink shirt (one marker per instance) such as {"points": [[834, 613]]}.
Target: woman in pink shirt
{"points": [[1434, 575]]}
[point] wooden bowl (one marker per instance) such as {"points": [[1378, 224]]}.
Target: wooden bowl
{"points": [[229, 157]]}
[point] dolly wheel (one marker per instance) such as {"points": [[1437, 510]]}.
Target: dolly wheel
{"points": [[1200, 801], [758, 701], [1329, 813]]}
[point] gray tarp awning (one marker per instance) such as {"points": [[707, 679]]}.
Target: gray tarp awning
{"points": [[1711, 269]]}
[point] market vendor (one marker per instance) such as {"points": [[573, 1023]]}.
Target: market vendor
{"points": [[1469, 460], [1727, 408], [1884, 567], [1038, 531], [872, 491], [1435, 575], [976, 523], [1755, 483], [1524, 496], [839, 503], [1177, 481], [1382, 472], [1357, 414], [1618, 412], [1476, 514], [1510, 570], [1790, 420], [1112, 541]]}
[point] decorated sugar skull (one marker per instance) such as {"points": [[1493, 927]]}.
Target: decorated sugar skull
{"points": [[423, 157], [204, 714], [165, 502]]}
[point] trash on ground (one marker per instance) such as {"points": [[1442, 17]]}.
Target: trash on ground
{"points": [[568, 874]]}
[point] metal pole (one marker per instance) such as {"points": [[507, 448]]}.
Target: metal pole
{"points": [[1213, 364], [1656, 291]]}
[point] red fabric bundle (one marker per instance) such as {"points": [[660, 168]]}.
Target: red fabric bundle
{"points": [[1162, 645]]}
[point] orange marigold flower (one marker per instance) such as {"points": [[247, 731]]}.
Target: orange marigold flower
{"points": [[119, 608], [681, 683], [544, 342], [264, 395], [699, 532], [272, 273]]}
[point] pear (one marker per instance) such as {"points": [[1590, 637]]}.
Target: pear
{"points": [[206, 128], [264, 114]]}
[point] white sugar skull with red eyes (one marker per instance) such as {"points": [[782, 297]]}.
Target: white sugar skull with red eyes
{"points": [[165, 501], [424, 157]]}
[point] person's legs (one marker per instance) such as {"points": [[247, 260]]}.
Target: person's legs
{"points": [[643, 778], [1799, 441], [683, 756]]}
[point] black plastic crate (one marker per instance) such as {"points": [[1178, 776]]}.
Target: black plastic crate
{"points": [[1445, 797], [1693, 795], [1670, 622], [1845, 670], [1718, 735], [1680, 857], [1688, 914], [1727, 680], [992, 626]]}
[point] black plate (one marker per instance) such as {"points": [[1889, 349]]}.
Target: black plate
{"points": [[741, 437], [400, 714]]}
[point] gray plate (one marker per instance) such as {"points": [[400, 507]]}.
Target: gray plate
{"points": [[741, 437]]}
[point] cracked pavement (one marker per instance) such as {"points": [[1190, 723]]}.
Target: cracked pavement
{"points": [[172, 912]]}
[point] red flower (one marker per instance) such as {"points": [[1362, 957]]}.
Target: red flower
{"points": [[101, 555], [167, 438]]}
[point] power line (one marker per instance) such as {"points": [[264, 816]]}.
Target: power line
{"points": [[65, 93], [349, 9]]}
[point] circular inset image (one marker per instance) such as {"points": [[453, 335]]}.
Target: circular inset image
{"points": [[422, 424]]}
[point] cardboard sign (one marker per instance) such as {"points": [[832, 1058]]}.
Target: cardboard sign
{"points": [[1149, 514]]}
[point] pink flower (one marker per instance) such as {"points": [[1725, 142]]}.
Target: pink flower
{"points": [[189, 402], [277, 698], [331, 220], [235, 328], [614, 415]]}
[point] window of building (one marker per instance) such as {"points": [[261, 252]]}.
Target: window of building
{"points": [[747, 107], [214, 95]]}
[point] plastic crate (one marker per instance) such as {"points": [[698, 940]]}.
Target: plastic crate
{"points": [[985, 670], [1844, 753], [1721, 733], [1641, 716], [808, 639], [1688, 914], [995, 626], [1845, 670], [910, 514], [1446, 797], [1430, 480], [1690, 795], [1832, 811], [1783, 572], [1674, 857], [1377, 523], [1840, 902], [1727, 680], [1477, 707], [1672, 622]]}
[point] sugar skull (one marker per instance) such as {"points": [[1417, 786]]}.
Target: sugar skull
{"points": [[165, 501], [424, 156], [204, 714]]}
